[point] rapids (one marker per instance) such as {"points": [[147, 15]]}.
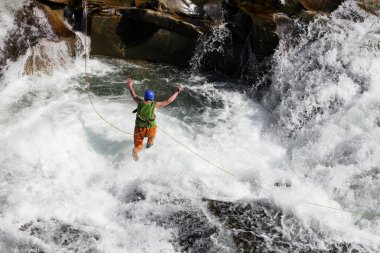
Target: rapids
{"points": [[68, 182]]}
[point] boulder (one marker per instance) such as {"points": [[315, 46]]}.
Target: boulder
{"points": [[263, 12], [164, 46], [372, 6], [29, 30], [186, 7], [142, 3], [321, 5], [63, 2], [104, 40], [133, 39], [110, 4], [45, 56], [184, 26], [57, 25]]}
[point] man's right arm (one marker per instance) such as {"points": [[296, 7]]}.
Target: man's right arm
{"points": [[132, 91]]}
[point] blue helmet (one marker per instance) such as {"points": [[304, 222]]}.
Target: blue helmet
{"points": [[149, 95]]}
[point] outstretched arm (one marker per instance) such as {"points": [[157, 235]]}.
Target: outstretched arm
{"points": [[132, 91], [170, 99]]}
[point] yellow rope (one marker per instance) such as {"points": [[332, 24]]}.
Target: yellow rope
{"points": [[189, 149], [195, 153], [88, 83], [338, 209]]}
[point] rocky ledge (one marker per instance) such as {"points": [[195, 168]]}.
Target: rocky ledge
{"points": [[234, 33]]}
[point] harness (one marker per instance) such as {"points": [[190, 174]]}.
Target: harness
{"points": [[145, 115]]}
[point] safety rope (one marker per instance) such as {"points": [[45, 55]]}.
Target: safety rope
{"points": [[86, 77], [374, 214], [195, 153]]}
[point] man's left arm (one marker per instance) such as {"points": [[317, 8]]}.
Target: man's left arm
{"points": [[170, 99]]}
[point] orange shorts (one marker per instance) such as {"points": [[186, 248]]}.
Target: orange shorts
{"points": [[142, 132]]}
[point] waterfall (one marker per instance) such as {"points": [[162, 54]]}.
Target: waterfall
{"points": [[211, 48], [305, 159]]}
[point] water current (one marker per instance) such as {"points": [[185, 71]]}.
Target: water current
{"points": [[68, 182]]}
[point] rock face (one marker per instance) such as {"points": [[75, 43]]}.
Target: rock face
{"points": [[104, 40], [186, 7], [30, 30], [321, 5], [144, 34], [372, 6], [40, 59], [109, 4], [64, 236], [58, 27], [262, 227], [172, 30]]}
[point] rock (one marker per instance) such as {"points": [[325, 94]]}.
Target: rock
{"points": [[164, 46], [61, 2], [262, 11], [308, 16], [185, 26], [253, 225], [130, 37], [372, 6], [57, 25], [30, 29], [109, 4], [186, 7], [321, 5], [104, 40], [41, 59], [142, 3], [64, 236], [64, 2]]}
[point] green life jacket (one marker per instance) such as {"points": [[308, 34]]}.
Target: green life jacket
{"points": [[145, 115]]}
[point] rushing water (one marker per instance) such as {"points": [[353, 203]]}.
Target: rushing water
{"points": [[69, 184]]}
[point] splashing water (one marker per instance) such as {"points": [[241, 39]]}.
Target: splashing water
{"points": [[69, 184], [212, 44]]}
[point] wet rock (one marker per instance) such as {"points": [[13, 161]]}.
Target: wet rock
{"points": [[186, 7], [372, 6], [104, 40], [188, 27], [135, 196], [64, 2], [262, 11], [308, 16], [164, 46], [321, 5], [30, 29], [63, 236], [194, 231], [59, 28], [141, 35], [109, 4], [41, 60], [262, 227]]}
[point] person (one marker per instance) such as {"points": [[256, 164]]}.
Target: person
{"points": [[145, 125]]}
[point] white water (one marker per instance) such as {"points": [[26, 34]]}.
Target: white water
{"points": [[329, 90], [59, 160]]}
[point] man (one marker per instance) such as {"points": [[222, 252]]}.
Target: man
{"points": [[145, 125]]}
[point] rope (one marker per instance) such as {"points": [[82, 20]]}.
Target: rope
{"points": [[198, 155], [88, 83], [189, 149]]}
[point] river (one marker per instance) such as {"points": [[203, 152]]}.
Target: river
{"points": [[312, 144]]}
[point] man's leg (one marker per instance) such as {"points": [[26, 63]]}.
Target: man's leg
{"points": [[151, 135], [139, 134]]}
